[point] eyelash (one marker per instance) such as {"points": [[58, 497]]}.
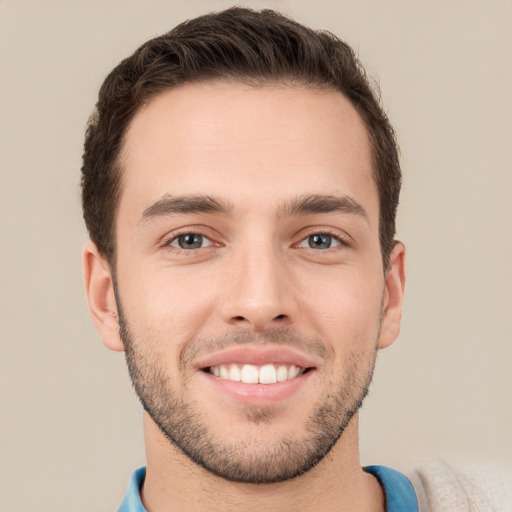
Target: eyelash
{"points": [[168, 241], [343, 240]]}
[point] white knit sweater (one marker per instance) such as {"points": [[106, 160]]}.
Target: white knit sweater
{"points": [[444, 487]]}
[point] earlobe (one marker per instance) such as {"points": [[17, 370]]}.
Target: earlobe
{"points": [[99, 290], [393, 297]]}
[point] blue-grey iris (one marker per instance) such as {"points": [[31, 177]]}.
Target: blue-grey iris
{"points": [[319, 241], [190, 241]]}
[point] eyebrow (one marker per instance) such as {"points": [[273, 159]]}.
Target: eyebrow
{"points": [[309, 204], [169, 205], [317, 204]]}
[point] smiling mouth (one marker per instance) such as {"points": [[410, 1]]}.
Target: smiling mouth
{"points": [[253, 374]]}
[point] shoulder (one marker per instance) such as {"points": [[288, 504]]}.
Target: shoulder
{"points": [[463, 486]]}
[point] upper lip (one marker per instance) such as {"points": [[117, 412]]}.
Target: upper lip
{"points": [[258, 356]]}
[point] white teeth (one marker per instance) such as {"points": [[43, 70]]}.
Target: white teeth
{"points": [[224, 372], [251, 374], [268, 374], [234, 373], [282, 374], [293, 371]]}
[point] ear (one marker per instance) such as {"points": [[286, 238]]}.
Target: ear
{"points": [[99, 290], [393, 296]]}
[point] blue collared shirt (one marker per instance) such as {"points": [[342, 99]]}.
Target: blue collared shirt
{"points": [[400, 495]]}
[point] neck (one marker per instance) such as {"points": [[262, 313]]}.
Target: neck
{"points": [[337, 483]]}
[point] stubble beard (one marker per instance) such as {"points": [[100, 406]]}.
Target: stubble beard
{"points": [[247, 460]]}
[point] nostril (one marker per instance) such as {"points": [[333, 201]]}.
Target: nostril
{"points": [[258, 321]]}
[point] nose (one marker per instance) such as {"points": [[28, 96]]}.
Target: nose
{"points": [[258, 291]]}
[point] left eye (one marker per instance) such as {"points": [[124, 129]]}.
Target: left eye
{"points": [[189, 241], [320, 241]]}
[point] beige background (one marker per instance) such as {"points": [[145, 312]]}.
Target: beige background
{"points": [[70, 431]]}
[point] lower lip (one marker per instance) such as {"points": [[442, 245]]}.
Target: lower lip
{"points": [[258, 394]]}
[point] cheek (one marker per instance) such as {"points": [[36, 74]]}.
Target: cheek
{"points": [[345, 307], [167, 303]]}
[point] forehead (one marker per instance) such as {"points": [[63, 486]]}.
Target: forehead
{"points": [[250, 144]]}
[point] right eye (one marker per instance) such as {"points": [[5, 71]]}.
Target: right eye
{"points": [[190, 241]]}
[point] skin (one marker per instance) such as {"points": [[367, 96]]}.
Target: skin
{"points": [[258, 149]]}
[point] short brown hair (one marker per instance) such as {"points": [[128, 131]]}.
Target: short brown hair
{"points": [[235, 44]]}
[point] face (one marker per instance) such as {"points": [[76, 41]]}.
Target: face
{"points": [[250, 287]]}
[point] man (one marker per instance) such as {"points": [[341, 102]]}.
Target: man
{"points": [[240, 184]]}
